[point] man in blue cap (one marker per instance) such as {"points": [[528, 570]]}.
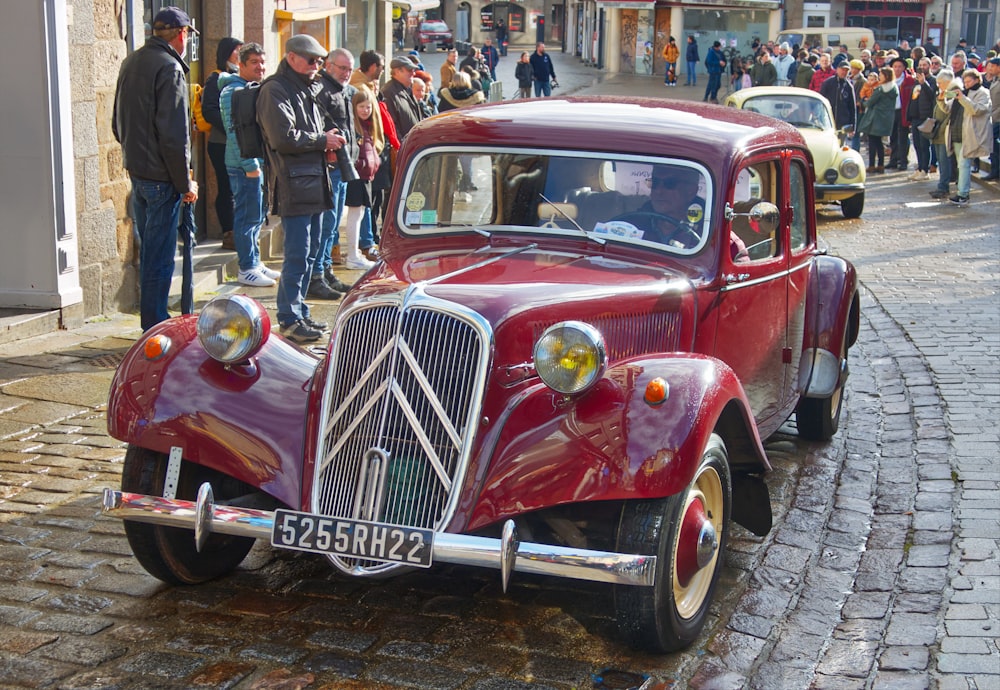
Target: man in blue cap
{"points": [[152, 124]]}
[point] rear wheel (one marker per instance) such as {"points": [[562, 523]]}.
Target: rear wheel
{"points": [[852, 206], [819, 418], [169, 553], [687, 532]]}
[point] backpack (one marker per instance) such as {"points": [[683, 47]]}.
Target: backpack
{"points": [[249, 138], [197, 117]]}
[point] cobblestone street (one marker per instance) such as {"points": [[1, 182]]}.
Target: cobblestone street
{"points": [[882, 570]]}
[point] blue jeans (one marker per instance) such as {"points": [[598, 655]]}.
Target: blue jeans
{"points": [[366, 236], [330, 234], [301, 234], [692, 74], [156, 209], [712, 89], [543, 88], [248, 215], [668, 67], [944, 167]]}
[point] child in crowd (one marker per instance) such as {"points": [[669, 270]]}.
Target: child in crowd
{"points": [[371, 141]]}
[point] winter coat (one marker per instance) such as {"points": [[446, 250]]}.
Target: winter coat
{"points": [[819, 76], [977, 128], [291, 120], [783, 65], [804, 75], [840, 93], [210, 107], [880, 111], [671, 53], [905, 91], [691, 54], [523, 75], [402, 107], [336, 101], [151, 115], [763, 74], [714, 61], [459, 98]]}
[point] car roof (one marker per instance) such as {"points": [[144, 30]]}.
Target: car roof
{"points": [[641, 126]]}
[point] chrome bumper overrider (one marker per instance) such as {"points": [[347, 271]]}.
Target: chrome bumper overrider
{"points": [[506, 554]]}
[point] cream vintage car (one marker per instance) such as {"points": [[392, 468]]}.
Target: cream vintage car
{"points": [[840, 170]]}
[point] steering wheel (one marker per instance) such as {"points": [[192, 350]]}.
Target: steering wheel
{"points": [[679, 231]]}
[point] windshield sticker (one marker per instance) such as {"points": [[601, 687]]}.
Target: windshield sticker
{"points": [[618, 228], [695, 213], [429, 217], [415, 201]]}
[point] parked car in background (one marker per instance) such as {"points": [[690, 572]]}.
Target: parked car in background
{"points": [[840, 170], [434, 33], [567, 370]]}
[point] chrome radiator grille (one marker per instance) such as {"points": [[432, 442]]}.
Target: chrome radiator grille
{"points": [[404, 401]]}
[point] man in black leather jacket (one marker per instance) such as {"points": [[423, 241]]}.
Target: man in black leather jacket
{"points": [[297, 147], [152, 122]]}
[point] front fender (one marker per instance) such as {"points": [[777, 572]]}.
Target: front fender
{"points": [[832, 322], [609, 443], [245, 420]]}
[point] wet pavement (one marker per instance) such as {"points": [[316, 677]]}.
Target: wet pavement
{"points": [[882, 570]]}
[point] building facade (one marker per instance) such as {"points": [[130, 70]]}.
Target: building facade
{"points": [[66, 196]]}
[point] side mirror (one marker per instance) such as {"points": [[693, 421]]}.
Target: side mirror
{"points": [[765, 216]]}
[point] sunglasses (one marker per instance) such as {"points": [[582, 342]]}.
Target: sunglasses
{"points": [[316, 61]]}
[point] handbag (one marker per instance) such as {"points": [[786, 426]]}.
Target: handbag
{"points": [[368, 161], [929, 127]]}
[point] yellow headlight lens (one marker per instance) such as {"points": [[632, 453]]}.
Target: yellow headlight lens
{"points": [[232, 328], [570, 356]]}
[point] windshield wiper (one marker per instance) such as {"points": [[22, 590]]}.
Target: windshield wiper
{"points": [[558, 209]]}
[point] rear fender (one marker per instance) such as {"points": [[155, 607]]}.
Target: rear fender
{"points": [[245, 420], [610, 444], [832, 322]]}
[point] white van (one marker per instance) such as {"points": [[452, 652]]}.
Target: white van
{"points": [[854, 38]]}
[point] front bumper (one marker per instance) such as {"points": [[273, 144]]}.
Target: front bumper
{"points": [[836, 192], [506, 554]]}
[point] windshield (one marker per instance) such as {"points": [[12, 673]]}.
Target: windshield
{"points": [[661, 203], [802, 111], [433, 26]]}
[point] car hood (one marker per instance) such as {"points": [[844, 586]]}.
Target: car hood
{"points": [[824, 145], [639, 307]]}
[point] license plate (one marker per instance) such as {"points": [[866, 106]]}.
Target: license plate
{"points": [[352, 538]]}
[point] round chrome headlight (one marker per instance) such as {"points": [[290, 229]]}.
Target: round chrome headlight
{"points": [[849, 168], [233, 328], [570, 356]]}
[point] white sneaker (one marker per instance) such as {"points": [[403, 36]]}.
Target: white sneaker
{"points": [[359, 262], [254, 278], [272, 274]]}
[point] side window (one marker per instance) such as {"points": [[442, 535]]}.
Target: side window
{"points": [[748, 241], [800, 224]]}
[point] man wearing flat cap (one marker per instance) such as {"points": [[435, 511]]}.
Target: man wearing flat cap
{"points": [[398, 98], [899, 139], [297, 145], [152, 124]]}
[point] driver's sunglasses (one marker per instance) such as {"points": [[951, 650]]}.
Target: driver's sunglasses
{"points": [[656, 183]]}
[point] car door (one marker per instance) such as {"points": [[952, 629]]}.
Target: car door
{"points": [[802, 233], [752, 329]]}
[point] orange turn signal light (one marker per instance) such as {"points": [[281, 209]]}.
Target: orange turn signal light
{"points": [[657, 391], [156, 347]]}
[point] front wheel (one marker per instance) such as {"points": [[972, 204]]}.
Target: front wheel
{"points": [[169, 553], [852, 206], [687, 532]]}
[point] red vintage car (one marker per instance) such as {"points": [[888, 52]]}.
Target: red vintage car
{"points": [[567, 369]]}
